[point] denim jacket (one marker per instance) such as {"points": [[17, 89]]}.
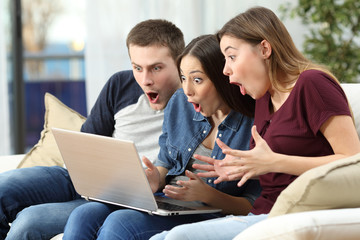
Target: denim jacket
{"points": [[184, 130]]}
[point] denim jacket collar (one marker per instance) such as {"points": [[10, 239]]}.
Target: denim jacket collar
{"points": [[232, 120]]}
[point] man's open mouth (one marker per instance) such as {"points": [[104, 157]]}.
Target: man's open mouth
{"points": [[152, 96]]}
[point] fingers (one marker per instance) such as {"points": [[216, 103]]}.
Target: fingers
{"points": [[191, 175], [234, 152], [243, 180], [255, 134], [148, 163], [221, 144], [220, 179], [203, 167], [207, 174], [173, 192], [204, 159]]}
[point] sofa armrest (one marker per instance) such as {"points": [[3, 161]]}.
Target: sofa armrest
{"points": [[321, 224], [10, 162]]}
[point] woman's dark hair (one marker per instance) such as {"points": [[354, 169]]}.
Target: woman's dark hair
{"points": [[207, 50]]}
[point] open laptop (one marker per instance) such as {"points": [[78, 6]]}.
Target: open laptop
{"points": [[109, 170]]}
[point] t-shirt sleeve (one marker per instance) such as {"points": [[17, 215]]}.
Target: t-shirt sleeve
{"points": [[119, 91], [101, 118], [321, 98]]}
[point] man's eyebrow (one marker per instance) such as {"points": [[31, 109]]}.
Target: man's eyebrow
{"points": [[151, 65], [156, 63]]}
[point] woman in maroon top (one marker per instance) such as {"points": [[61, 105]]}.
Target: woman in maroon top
{"points": [[302, 118]]}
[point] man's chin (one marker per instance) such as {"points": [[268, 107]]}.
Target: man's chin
{"points": [[157, 106]]}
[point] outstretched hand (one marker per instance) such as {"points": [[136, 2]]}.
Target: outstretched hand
{"points": [[215, 169], [152, 174], [249, 164], [239, 164]]}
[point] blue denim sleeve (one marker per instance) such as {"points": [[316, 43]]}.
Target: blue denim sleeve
{"points": [[164, 159]]}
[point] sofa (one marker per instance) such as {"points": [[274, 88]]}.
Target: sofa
{"points": [[322, 203]]}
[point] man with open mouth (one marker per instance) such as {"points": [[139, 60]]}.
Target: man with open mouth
{"points": [[130, 106]]}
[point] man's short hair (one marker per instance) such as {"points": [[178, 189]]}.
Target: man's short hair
{"points": [[157, 32]]}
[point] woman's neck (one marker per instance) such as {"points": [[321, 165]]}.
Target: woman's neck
{"points": [[279, 97], [215, 120]]}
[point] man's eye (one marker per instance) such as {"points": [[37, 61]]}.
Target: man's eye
{"points": [[157, 69], [137, 68]]}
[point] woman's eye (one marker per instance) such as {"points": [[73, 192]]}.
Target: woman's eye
{"points": [[182, 78], [232, 57], [197, 80]]}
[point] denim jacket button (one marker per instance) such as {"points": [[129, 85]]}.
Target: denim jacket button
{"points": [[204, 131], [220, 135], [209, 180], [189, 149]]}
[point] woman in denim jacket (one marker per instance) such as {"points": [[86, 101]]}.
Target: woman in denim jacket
{"points": [[208, 107]]}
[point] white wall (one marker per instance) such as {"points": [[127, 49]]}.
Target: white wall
{"points": [[109, 21], [4, 106], [107, 25]]}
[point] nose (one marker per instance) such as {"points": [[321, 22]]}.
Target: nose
{"points": [[146, 78], [227, 70], [187, 87]]}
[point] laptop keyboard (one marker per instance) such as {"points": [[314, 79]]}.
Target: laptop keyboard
{"points": [[172, 207]]}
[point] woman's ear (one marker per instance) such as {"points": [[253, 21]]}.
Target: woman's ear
{"points": [[265, 49]]}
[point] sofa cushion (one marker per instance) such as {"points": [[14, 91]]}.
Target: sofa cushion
{"points": [[333, 185], [322, 225], [46, 152]]}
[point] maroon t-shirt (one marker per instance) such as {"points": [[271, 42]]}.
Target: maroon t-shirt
{"points": [[294, 129]]}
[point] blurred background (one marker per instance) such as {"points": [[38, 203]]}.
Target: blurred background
{"points": [[71, 48]]}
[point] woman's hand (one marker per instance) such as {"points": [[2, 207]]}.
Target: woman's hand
{"points": [[192, 190], [248, 164], [214, 169], [152, 174]]}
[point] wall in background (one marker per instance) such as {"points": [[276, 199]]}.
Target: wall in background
{"points": [[5, 147], [104, 25], [109, 21]]}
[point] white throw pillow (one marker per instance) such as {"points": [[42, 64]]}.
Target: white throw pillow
{"points": [[320, 225]]}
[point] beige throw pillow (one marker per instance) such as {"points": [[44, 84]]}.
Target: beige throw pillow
{"points": [[46, 152], [333, 185]]}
